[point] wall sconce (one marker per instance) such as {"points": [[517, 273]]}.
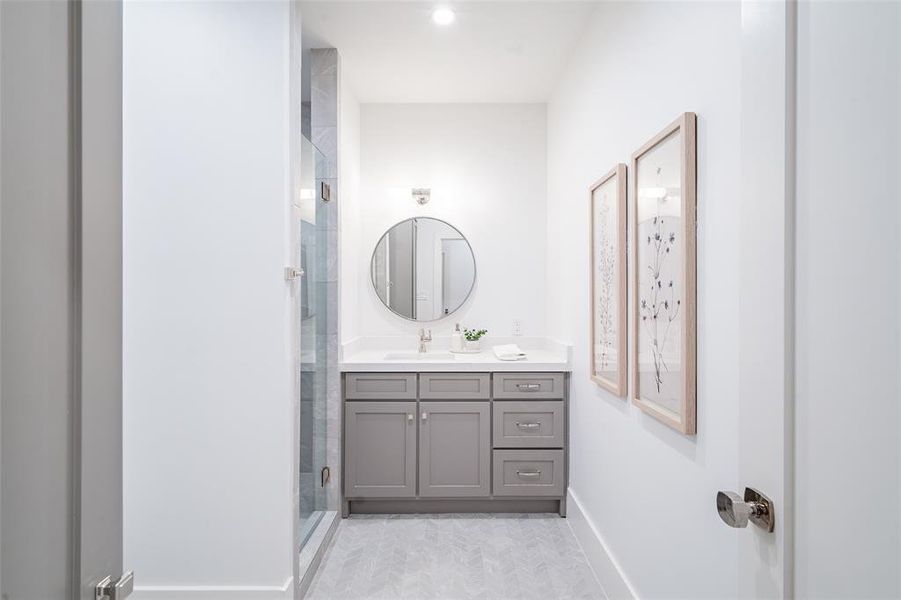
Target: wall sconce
{"points": [[422, 195]]}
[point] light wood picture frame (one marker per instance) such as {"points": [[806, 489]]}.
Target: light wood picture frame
{"points": [[664, 276], [608, 281]]}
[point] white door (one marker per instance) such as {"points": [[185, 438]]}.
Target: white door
{"points": [[61, 310], [848, 302], [820, 269]]}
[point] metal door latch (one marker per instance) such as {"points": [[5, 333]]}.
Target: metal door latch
{"points": [[108, 589], [292, 273], [755, 507]]}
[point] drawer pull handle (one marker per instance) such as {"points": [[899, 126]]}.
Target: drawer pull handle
{"points": [[528, 425], [529, 387], [528, 473]]}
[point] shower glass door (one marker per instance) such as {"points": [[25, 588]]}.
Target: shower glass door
{"points": [[314, 314]]}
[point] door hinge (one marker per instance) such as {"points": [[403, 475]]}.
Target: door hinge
{"points": [[108, 589]]}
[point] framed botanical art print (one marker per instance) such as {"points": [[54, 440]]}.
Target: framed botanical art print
{"points": [[609, 327], [664, 246]]}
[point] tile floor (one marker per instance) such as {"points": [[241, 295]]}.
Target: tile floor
{"points": [[451, 557]]}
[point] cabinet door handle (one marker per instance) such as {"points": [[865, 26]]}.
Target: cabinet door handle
{"points": [[425, 416], [528, 425], [409, 417], [528, 387], [528, 473]]}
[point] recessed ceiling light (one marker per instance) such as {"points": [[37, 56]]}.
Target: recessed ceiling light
{"points": [[443, 16]]}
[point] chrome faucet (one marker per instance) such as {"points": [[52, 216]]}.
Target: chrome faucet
{"points": [[424, 338]]}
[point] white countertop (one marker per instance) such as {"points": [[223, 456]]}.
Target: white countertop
{"points": [[369, 354]]}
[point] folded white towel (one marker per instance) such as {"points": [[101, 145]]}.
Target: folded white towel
{"points": [[509, 352]]}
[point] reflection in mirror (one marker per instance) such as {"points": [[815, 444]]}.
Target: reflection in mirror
{"points": [[423, 269]]}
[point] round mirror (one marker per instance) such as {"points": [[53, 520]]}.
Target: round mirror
{"points": [[423, 269]]}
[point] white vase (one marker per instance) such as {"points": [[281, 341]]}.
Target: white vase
{"points": [[473, 346]]}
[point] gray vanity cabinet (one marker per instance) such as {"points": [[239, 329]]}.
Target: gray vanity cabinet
{"points": [[454, 449], [380, 449], [460, 441]]}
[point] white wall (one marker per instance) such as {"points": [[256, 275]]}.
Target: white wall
{"points": [[208, 425], [848, 422], [649, 490], [486, 167]]}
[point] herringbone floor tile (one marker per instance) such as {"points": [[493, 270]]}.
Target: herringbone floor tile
{"points": [[454, 557]]}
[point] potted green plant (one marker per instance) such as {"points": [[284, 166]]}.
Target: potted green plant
{"points": [[472, 338]]}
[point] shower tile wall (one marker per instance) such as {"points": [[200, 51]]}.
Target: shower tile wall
{"points": [[308, 440], [324, 129]]}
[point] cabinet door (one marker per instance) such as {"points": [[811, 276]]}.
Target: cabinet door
{"points": [[455, 449], [380, 449]]}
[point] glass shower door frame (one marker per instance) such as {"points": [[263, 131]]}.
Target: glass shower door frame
{"points": [[313, 311]]}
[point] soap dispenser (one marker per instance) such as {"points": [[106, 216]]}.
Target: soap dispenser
{"points": [[456, 343]]}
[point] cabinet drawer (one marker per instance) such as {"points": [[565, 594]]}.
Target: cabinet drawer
{"points": [[454, 386], [528, 385], [528, 424], [380, 386], [528, 473]]}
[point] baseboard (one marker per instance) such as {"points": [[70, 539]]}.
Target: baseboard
{"points": [[215, 592], [610, 575]]}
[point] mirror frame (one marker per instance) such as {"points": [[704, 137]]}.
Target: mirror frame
{"points": [[475, 270]]}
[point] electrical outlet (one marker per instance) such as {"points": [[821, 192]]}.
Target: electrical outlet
{"points": [[517, 327]]}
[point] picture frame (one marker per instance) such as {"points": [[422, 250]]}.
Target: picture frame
{"points": [[664, 275], [608, 281]]}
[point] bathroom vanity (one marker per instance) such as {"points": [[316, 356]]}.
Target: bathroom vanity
{"points": [[455, 441], [440, 431]]}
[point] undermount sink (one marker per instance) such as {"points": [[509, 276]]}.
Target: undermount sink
{"points": [[419, 356]]}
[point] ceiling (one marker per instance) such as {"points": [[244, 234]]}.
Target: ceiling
{"points": [[494, 52]]}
